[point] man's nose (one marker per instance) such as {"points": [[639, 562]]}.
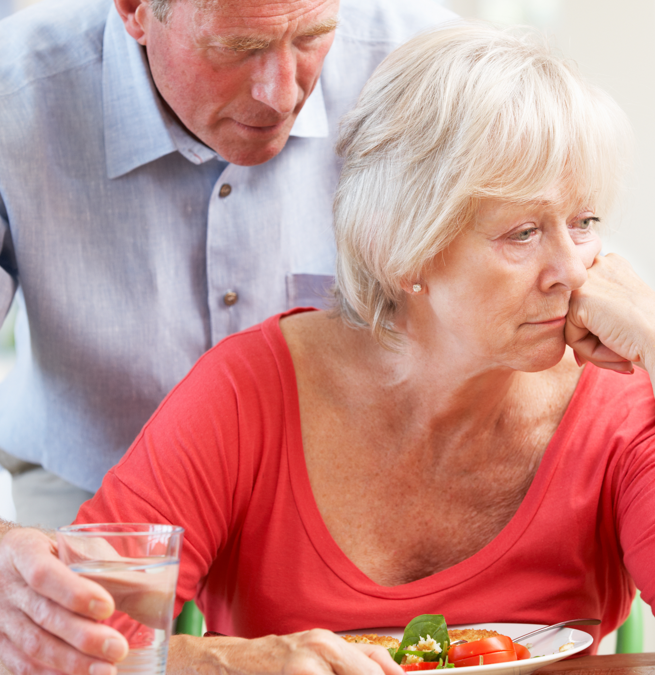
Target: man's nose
{"points": [[275, 80]]}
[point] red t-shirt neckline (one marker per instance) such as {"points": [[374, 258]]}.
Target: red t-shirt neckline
{"points": [[323, 542]]}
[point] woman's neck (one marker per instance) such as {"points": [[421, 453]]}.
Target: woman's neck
{"points": [[374, 422]]}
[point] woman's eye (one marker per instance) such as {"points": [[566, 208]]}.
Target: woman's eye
{"points": [[587, 223], [524, 235]]}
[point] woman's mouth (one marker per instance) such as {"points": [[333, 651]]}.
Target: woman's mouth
{"points": [[557, 321]]}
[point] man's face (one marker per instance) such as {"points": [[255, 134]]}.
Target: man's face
{"points": [[237, 72]]}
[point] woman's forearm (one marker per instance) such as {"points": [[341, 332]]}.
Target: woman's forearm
{"points": [[314, 652]]}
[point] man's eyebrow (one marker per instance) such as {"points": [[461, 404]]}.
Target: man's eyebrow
{"points": [[242, 43], [322, 27]]}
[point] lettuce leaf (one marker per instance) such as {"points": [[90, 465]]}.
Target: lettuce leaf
{"points": [[433, 625]]}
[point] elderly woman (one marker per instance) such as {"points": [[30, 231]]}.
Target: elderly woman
{"points": [[432, 446]]}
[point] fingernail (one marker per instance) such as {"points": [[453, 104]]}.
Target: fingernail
{"points": [[114, 649], [102, 669], [625, 372], [100, 609], [577, 360]]}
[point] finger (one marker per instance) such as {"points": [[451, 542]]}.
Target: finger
{"points": [[88, 637], [625, 368], [587, 347], [20, 661], [591, 349], [32, 613], [348, 659], [618, 366], [382, 657], [49, 577]]}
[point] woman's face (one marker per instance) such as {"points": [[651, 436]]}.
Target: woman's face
{"points": [[501, 290]]}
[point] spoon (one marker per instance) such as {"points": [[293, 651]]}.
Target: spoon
{"points": [[561, 624]]}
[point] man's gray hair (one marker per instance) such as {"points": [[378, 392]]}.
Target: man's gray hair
{"points": [[452, 117]]}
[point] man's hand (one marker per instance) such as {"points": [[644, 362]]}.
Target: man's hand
{"points": [[314, 652], [48, 613], [611, 318]]}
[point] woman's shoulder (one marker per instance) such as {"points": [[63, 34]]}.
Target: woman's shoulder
{"points": [[259, 350]]}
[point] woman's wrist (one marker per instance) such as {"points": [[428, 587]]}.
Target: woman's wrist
{"points": [[188, 654]]}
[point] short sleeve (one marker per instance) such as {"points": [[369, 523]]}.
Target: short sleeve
{"points": [[195, 462], [635, 512]]}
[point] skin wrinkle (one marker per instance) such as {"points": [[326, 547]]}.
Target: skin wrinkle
{"points": [[241, 102], [253, 43]]}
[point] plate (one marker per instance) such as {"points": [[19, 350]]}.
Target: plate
{"points": [[544, 647]]}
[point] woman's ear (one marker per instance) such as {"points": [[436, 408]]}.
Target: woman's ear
{"points": [[135, 15]]}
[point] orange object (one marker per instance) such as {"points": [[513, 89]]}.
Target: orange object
{"points": [[497, 643], [424, 665], [488, 658], [522, 652]]}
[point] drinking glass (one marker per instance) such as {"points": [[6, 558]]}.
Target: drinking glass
{"points": [[138, 565]]}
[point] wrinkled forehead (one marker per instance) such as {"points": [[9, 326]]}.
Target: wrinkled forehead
{"points": [[265, 13]]}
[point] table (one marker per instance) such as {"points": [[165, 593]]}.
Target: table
{"points": [[610, 664]]}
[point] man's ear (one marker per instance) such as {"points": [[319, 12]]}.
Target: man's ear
{"points": [[135, 14]]}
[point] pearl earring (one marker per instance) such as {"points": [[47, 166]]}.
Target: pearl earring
{"points": [[417, 288]]}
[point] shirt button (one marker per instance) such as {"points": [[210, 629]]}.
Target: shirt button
{"points": [[230, 298], [225, 190]]}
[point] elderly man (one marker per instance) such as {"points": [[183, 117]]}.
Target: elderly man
{"points": [[166, 179]]}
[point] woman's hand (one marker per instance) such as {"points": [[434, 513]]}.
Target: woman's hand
{"points": [[611, 318], [313, 652], [47, 612]]}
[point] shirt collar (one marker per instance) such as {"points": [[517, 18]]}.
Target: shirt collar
{"points": [[312, 121], [138, 129]]}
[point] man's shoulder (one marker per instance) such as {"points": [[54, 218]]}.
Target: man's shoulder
{"points": [[390, 21], [48, 38]]}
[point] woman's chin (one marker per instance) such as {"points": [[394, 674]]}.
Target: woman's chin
{"points": [[542, 357]]}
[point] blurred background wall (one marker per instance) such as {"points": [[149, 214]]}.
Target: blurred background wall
{"points": [[614, 46]]}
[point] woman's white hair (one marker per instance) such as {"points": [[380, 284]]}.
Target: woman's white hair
{"points": [[457, 115]]}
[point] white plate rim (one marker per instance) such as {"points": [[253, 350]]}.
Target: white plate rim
{"points": [[512, 630]]}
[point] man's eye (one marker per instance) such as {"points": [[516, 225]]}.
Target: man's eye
{"points": [[310, 40], [225, 51]]}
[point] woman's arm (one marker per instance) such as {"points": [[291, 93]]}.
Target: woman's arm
{"points": [[47, 622], [316, 652], [611, 318]]}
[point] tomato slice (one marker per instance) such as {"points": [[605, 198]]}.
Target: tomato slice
{"points": [[497, 643], [491, 657], [423, 665], [522, 652]]}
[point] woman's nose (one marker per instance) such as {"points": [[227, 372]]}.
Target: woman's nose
{"points": [[566, 265]]}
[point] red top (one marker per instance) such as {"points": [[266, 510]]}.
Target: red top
{"points": [[223, 457]]}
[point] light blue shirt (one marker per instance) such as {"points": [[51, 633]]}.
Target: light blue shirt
{"points": [[113, 230]]}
